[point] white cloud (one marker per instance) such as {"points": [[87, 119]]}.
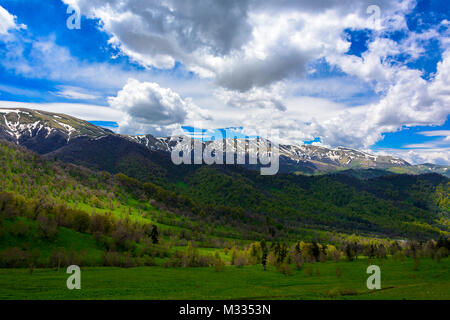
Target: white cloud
{"points": [[83, 111], [42, 58], [75, 93], [8, 22], [241, 44], [151, 107], [435, 133], [419, 156], [149, 102], [408, 99], [264, 98]]}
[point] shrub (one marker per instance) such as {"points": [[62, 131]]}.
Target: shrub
{"points": [[146, 261], [285, 269], [441, 253], [241, 260], [190, 258], [47, 227], [14, 258], [399, 256], [101, 223], [117, 259], [334, 255], [58, 258], [298, 260], [381, 252], [81, 221], [218, 265]]}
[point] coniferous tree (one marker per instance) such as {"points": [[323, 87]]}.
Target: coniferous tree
{"points": [[154, 234], [264, 253]]}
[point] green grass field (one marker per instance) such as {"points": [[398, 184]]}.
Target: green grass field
{"points": [[398, 281]]}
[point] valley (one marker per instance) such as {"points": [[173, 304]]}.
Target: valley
{"points": [[73, 193]]}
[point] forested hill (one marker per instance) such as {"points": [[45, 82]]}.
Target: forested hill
{"points": [[232, 201]]}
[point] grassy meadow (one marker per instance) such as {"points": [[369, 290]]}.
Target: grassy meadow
{"points": [[399, 280]]}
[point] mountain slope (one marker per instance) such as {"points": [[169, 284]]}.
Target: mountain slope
{"points": [[293, 158], [231, 201], [42, 131]]}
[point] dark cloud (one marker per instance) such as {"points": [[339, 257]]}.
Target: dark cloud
{"points": [[251, 73]]}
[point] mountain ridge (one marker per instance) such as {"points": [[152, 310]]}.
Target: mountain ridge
{"points": [[46, 133]]}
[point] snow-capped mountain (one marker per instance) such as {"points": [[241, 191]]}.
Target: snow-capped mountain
{"points": [[42, 131], [299, 157], [50, 133]]}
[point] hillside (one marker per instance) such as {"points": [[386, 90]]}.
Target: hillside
{"points": [[42, 131], [230, 201]]}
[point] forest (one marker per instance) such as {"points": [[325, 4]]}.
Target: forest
{"points": [[280, 221]]}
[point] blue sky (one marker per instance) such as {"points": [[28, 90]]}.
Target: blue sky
{"points": [[343, 82]]}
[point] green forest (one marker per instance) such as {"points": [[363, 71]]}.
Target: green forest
{"points": [[55, 214]]}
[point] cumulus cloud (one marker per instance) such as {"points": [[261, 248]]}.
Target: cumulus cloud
{"points": [[264, 98], [148, 106], [156, 33], [149, 102], [408, 99], [242, 44]]}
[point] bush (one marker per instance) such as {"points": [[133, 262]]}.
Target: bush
{"points": [[334, 255], [399, 256], [241, 260], [14, 258], [218, 265], [58, 258], [146, 261], [285, 269], [81, 222], [190, 258], [441, 253], [116, 259], [298, 260], [47, 227]]}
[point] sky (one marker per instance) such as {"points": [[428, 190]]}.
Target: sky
{"points": [[370, 74]]}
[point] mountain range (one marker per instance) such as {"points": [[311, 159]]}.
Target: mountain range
{"points": [[67, 138]]}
